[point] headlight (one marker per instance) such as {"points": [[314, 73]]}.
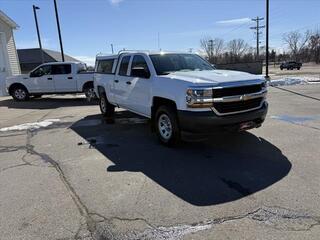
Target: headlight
{"points": [[199, 98]]}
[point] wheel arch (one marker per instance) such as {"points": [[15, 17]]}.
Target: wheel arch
{"points": [[14, 85], [87, 84], [159, 101]]}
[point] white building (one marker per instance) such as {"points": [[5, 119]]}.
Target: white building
{"points": [[9, 63]]}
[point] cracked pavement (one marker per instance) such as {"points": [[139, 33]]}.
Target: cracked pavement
{"points": [[80, 178]]}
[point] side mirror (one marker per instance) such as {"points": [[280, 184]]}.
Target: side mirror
{"points": [[140, 72]]}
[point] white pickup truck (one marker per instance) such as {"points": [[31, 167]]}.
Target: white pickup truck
{"points": [[181, 93], [52, 78]]}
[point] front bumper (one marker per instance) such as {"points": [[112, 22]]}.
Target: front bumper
{"points": [[208, 122]]}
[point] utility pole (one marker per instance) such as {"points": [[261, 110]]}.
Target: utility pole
{"points": [[211, 49], [35, 8], [267, 39], [112, 48], [59, 31], [257, 28]]}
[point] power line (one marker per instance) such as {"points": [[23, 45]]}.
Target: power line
{"points": [[258, 33]]}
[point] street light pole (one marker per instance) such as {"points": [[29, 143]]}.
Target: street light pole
{"points": [[59, 32], [267, 39], [35, 8]]}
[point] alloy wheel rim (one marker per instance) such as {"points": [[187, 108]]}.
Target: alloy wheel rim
{"points": [[20, 94], [103, 105], [165, 126], [90, 93]]}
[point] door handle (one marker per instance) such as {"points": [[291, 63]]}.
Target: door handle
{"points": [[129, 83], [49, 78], [70, 77], [116, 81]]}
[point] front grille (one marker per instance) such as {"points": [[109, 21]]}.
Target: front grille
{"points": [[233, 91], [229, 107]]}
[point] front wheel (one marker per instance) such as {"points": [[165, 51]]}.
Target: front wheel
{"points": [[167, 126], [20, 94]]}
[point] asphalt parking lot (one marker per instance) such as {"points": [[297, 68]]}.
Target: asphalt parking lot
{"points": [[69, 175]]}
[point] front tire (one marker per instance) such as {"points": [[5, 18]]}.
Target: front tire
{"points": [[20, 93], [167, 127]]}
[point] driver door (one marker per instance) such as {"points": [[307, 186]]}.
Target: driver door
{"points": [[41, 80]]}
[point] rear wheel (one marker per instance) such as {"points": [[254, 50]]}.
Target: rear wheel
{"points": [[106, 108], [90, 94], [20, 93], [167, 126]]}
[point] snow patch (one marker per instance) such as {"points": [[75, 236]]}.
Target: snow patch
{"points": [[30, 126], [289, 81]]}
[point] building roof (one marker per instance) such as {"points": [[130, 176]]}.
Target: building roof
{"points": [[33, 55], [8, 20]]}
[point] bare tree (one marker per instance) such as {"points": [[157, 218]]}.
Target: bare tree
{"points": [[212, 47], [296, 42], [238, 47], [314, 46]]}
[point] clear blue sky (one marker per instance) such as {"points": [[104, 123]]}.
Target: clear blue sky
{"points": [[90, 26]]}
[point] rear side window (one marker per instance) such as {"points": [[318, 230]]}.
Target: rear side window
{"points": [[61, 69], [124, 66], [105, 66]]}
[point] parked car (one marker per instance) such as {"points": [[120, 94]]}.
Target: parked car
{"points": [[181, 93], [291, 65], [52, 78]]}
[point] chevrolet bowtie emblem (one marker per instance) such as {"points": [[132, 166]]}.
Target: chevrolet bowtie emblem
{"points": [[244, 97]]}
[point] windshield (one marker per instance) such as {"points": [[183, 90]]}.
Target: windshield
{"points": [[168, 63]]}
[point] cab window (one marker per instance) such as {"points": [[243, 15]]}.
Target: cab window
{"points": [[41, 71], [61, 69], [139, 61], [124, 66]]}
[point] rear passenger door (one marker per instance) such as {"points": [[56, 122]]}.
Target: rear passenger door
{"points": [[121, 83], [63, 78]]}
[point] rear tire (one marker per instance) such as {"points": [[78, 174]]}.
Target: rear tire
{"points": [[90, 94], [106, 108], [167, 127], [20, 93]]}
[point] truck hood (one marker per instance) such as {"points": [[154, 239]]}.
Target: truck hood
{"points": [[213, 76]]}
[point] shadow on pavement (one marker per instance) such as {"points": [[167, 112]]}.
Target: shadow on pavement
{"points": [[222, 169], [47, 102]]}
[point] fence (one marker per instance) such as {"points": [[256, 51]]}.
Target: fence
{"points": [[251, 67]]}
